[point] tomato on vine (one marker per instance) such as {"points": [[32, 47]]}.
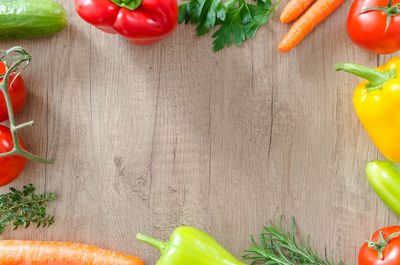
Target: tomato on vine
{"points": [[374, 25], [17, 92], [382, 249], [10, 166], [13, 153]]}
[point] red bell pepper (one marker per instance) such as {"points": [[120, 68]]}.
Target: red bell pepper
{"points": [[140, 21]]}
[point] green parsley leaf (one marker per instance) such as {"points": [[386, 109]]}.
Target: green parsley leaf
{"points": [[203, 13], [237, 20], [231, 29]]}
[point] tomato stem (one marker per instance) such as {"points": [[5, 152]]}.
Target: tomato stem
{"points": [[382, 243], [390, 10], [24, 125], [16, 59]]}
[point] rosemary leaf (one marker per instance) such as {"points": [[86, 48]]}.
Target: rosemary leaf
{"points": [[277, 246]]}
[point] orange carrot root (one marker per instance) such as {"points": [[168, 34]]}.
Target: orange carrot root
{"points": [[14, 252], [317, 13], [294, 9]]}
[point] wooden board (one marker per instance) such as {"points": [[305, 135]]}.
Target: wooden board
{"points": [[150, 138]]}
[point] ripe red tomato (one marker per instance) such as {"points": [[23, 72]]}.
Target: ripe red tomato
{"points": [[390, 248], [368, 28], [17, 93], [10, 166]]}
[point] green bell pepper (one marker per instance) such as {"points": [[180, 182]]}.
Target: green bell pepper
{"points": [[384, 177], [190, 246]]}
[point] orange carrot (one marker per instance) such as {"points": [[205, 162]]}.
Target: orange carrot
{"points": [[294, 9], [317, 13], [14, 252]]}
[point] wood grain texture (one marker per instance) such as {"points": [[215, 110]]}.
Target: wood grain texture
{"points": [[149, 138]]}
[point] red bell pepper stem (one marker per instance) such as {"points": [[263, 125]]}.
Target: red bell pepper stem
{"points": [[128, 4]]}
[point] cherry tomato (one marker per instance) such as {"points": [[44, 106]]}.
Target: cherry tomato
{"points": [[388, 244], [17, 93], [368, 28], [10, 166]]}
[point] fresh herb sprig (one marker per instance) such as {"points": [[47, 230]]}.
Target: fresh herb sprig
{"points": [[279, 247], [237, 20], [23, 208]]}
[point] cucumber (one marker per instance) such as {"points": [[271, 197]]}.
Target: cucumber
{"points": [[27, 19]]}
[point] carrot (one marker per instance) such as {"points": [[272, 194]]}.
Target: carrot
{"points": [[317, 13], [14, 252], [294, 9]]}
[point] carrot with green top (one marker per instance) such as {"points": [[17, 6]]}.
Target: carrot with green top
{"points": [[15, 252], [317, 13], [294, 9]]}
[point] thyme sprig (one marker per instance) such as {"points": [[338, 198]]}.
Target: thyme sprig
{"points": [[23, 208], [277, 246]]}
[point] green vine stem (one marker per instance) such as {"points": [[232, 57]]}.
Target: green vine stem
{"points": [[15, 60]]}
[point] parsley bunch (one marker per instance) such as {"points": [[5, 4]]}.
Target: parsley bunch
{"points": [[237, 20], [23, 208]]}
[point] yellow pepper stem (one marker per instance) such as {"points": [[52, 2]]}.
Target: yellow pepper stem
{"points": [[375, 78]]}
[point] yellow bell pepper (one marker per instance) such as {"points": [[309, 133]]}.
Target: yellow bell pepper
{"points": [[377, 103]]}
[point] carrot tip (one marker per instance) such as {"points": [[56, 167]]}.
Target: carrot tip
{"points": [[283, 49], [284, 20]]}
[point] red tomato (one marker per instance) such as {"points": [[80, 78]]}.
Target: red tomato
{"points": [[10, 166], [17, 93], [368, 28], [390, 248]]}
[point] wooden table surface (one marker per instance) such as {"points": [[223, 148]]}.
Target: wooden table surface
{"points": [[150, 138]]}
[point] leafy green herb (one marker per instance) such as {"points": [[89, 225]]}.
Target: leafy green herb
{"points": [[279, 247], [22, 208], [237, 20]]}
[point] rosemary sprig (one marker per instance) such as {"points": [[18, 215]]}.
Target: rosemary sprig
{"points": [[23, 208], [277, 246]]}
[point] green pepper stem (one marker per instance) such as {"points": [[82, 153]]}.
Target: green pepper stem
{"points": [[375, 78], [128, 4], [158, 244]]}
